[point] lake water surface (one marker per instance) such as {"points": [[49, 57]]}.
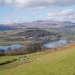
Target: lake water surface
{"points": [[55, 44], [11, 46], [50, 44]]}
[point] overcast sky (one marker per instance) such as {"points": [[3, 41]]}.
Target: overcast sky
{"points": [[31, 10]]}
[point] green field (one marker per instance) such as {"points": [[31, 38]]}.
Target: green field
{"points": [[60, 62], [15, 42], [8, 37], [5, 58], [12, 42]]}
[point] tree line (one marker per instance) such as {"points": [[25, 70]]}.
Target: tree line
{"points": [[30, 48], [38, 33]]}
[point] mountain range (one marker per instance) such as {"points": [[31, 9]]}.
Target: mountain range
{"points": [[39, 24]]}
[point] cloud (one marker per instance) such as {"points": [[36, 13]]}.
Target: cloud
{"points": [[61, 13], [8, 2], [68, 14], [8, 21], [69, 18], [43, 3], [31, 3], [39, 3], [15, 20]]}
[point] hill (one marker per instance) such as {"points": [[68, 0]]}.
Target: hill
{"points": [[38, 24], [44, 24], [38, 33], [3, 27], [60, 61]]}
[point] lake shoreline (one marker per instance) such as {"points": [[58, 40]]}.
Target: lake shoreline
{"points": [[47, 44]]}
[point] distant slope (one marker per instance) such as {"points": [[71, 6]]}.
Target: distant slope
{"points": [[57, 63], [3, 27], [38, 33], [44, 24], [39, 24]]}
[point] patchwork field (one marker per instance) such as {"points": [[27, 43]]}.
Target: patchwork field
{"points": [[60, 61], [25, 36]]}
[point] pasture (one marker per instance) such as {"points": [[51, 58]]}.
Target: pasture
{"points": [[61, 61]]}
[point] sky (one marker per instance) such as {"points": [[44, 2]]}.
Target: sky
{"points": [[19, 11]]}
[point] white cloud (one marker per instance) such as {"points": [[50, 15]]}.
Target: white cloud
{"points": [[8, 2], [62, 14], [43, 3], [20, 3], [39, 3], [69, 18], [67, 12], [8, 21], [15, 20], [30, 3]]}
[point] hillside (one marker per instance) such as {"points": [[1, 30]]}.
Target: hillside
{"points": [[61, 61], [38, 24], [3, 27], [43, 24], [36, 33]]}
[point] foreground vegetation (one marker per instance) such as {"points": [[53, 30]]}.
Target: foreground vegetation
{"points": [[60, 61], [30, 48]]}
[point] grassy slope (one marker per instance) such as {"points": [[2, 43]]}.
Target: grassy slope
{"points": [[59, 62], [5, 58]]}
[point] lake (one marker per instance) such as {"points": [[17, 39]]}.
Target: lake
{"points": [[50, 44], [55, 44], [11, 46]]}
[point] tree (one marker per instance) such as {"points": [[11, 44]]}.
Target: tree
{"points": [[8, 51], [31, 48], [2, 52]]}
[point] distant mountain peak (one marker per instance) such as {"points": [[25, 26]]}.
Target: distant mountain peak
{"points": [[42, 24]]}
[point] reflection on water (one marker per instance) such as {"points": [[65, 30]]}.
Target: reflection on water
{"points": [[11, 46], [55, 44], [52, 44]]}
